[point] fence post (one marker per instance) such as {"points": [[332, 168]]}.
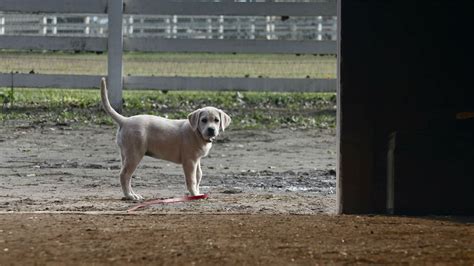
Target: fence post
{"points": [[44, 25], [221, 27], [87, 23], [115, 52], [2, 25], [320, 28]]}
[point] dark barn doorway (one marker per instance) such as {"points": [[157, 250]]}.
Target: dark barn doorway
{"points": [[405, 77]]}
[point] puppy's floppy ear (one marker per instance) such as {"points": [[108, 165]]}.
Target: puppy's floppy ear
{"points": [[194, 119], [225, 119]]}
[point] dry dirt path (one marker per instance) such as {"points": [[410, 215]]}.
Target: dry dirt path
{"points": [[63, 168]]}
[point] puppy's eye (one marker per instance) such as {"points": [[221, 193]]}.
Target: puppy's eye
{"points": [[204, 120], [216, 120]]}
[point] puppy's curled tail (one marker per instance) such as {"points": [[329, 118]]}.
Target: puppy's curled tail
{"points": [[106, 104]]}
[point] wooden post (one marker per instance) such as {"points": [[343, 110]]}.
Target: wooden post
{"points": [[355, 119], [87, 24], [320, 28], [252, 29], [115, 53], [44, 25], [209, 28], [2, 25], [339, 199]]}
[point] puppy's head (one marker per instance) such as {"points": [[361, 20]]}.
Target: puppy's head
{"points": [[208, 122]]}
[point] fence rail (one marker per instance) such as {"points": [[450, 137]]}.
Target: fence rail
{"points": [[229, 46], [164, 7], [172, 26], [115, 43], [48, 80], [153, 7], [168, 83], [53, 43], [55, 6]]}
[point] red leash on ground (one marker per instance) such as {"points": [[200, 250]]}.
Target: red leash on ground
{"points": [[164, 201]]}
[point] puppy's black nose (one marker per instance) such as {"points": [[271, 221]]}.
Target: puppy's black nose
{"points": [[211, 132]]}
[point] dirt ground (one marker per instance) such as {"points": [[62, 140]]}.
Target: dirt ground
{"points": [[272, 201], [211, 239], [64, 168]]}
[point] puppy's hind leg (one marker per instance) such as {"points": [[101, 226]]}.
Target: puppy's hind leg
{"points": [[129, 164]]}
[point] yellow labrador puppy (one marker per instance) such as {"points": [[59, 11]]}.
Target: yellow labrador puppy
{"points": [[183, 141]]}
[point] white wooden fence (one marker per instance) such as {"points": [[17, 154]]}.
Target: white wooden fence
{"points": [[116, 43], [173, 26]]}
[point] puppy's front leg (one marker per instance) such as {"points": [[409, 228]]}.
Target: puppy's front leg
{"points": [[190, 168], [198, 176]]}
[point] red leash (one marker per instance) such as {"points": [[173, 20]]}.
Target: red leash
{"points": [[164, 201]]}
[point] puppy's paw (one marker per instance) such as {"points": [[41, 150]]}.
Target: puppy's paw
{"points": [[132, 196]]}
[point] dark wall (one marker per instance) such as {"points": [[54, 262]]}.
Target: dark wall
{"points": [[405, 66]]}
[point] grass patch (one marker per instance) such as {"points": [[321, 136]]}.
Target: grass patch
{"points": [[247, 109], [173, 64]]}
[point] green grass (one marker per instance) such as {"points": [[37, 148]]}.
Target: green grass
{"points": [[247, 109], [174, 64]]}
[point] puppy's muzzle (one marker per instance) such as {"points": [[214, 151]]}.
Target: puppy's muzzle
{"points": [[210, 135], [211, 132]]}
